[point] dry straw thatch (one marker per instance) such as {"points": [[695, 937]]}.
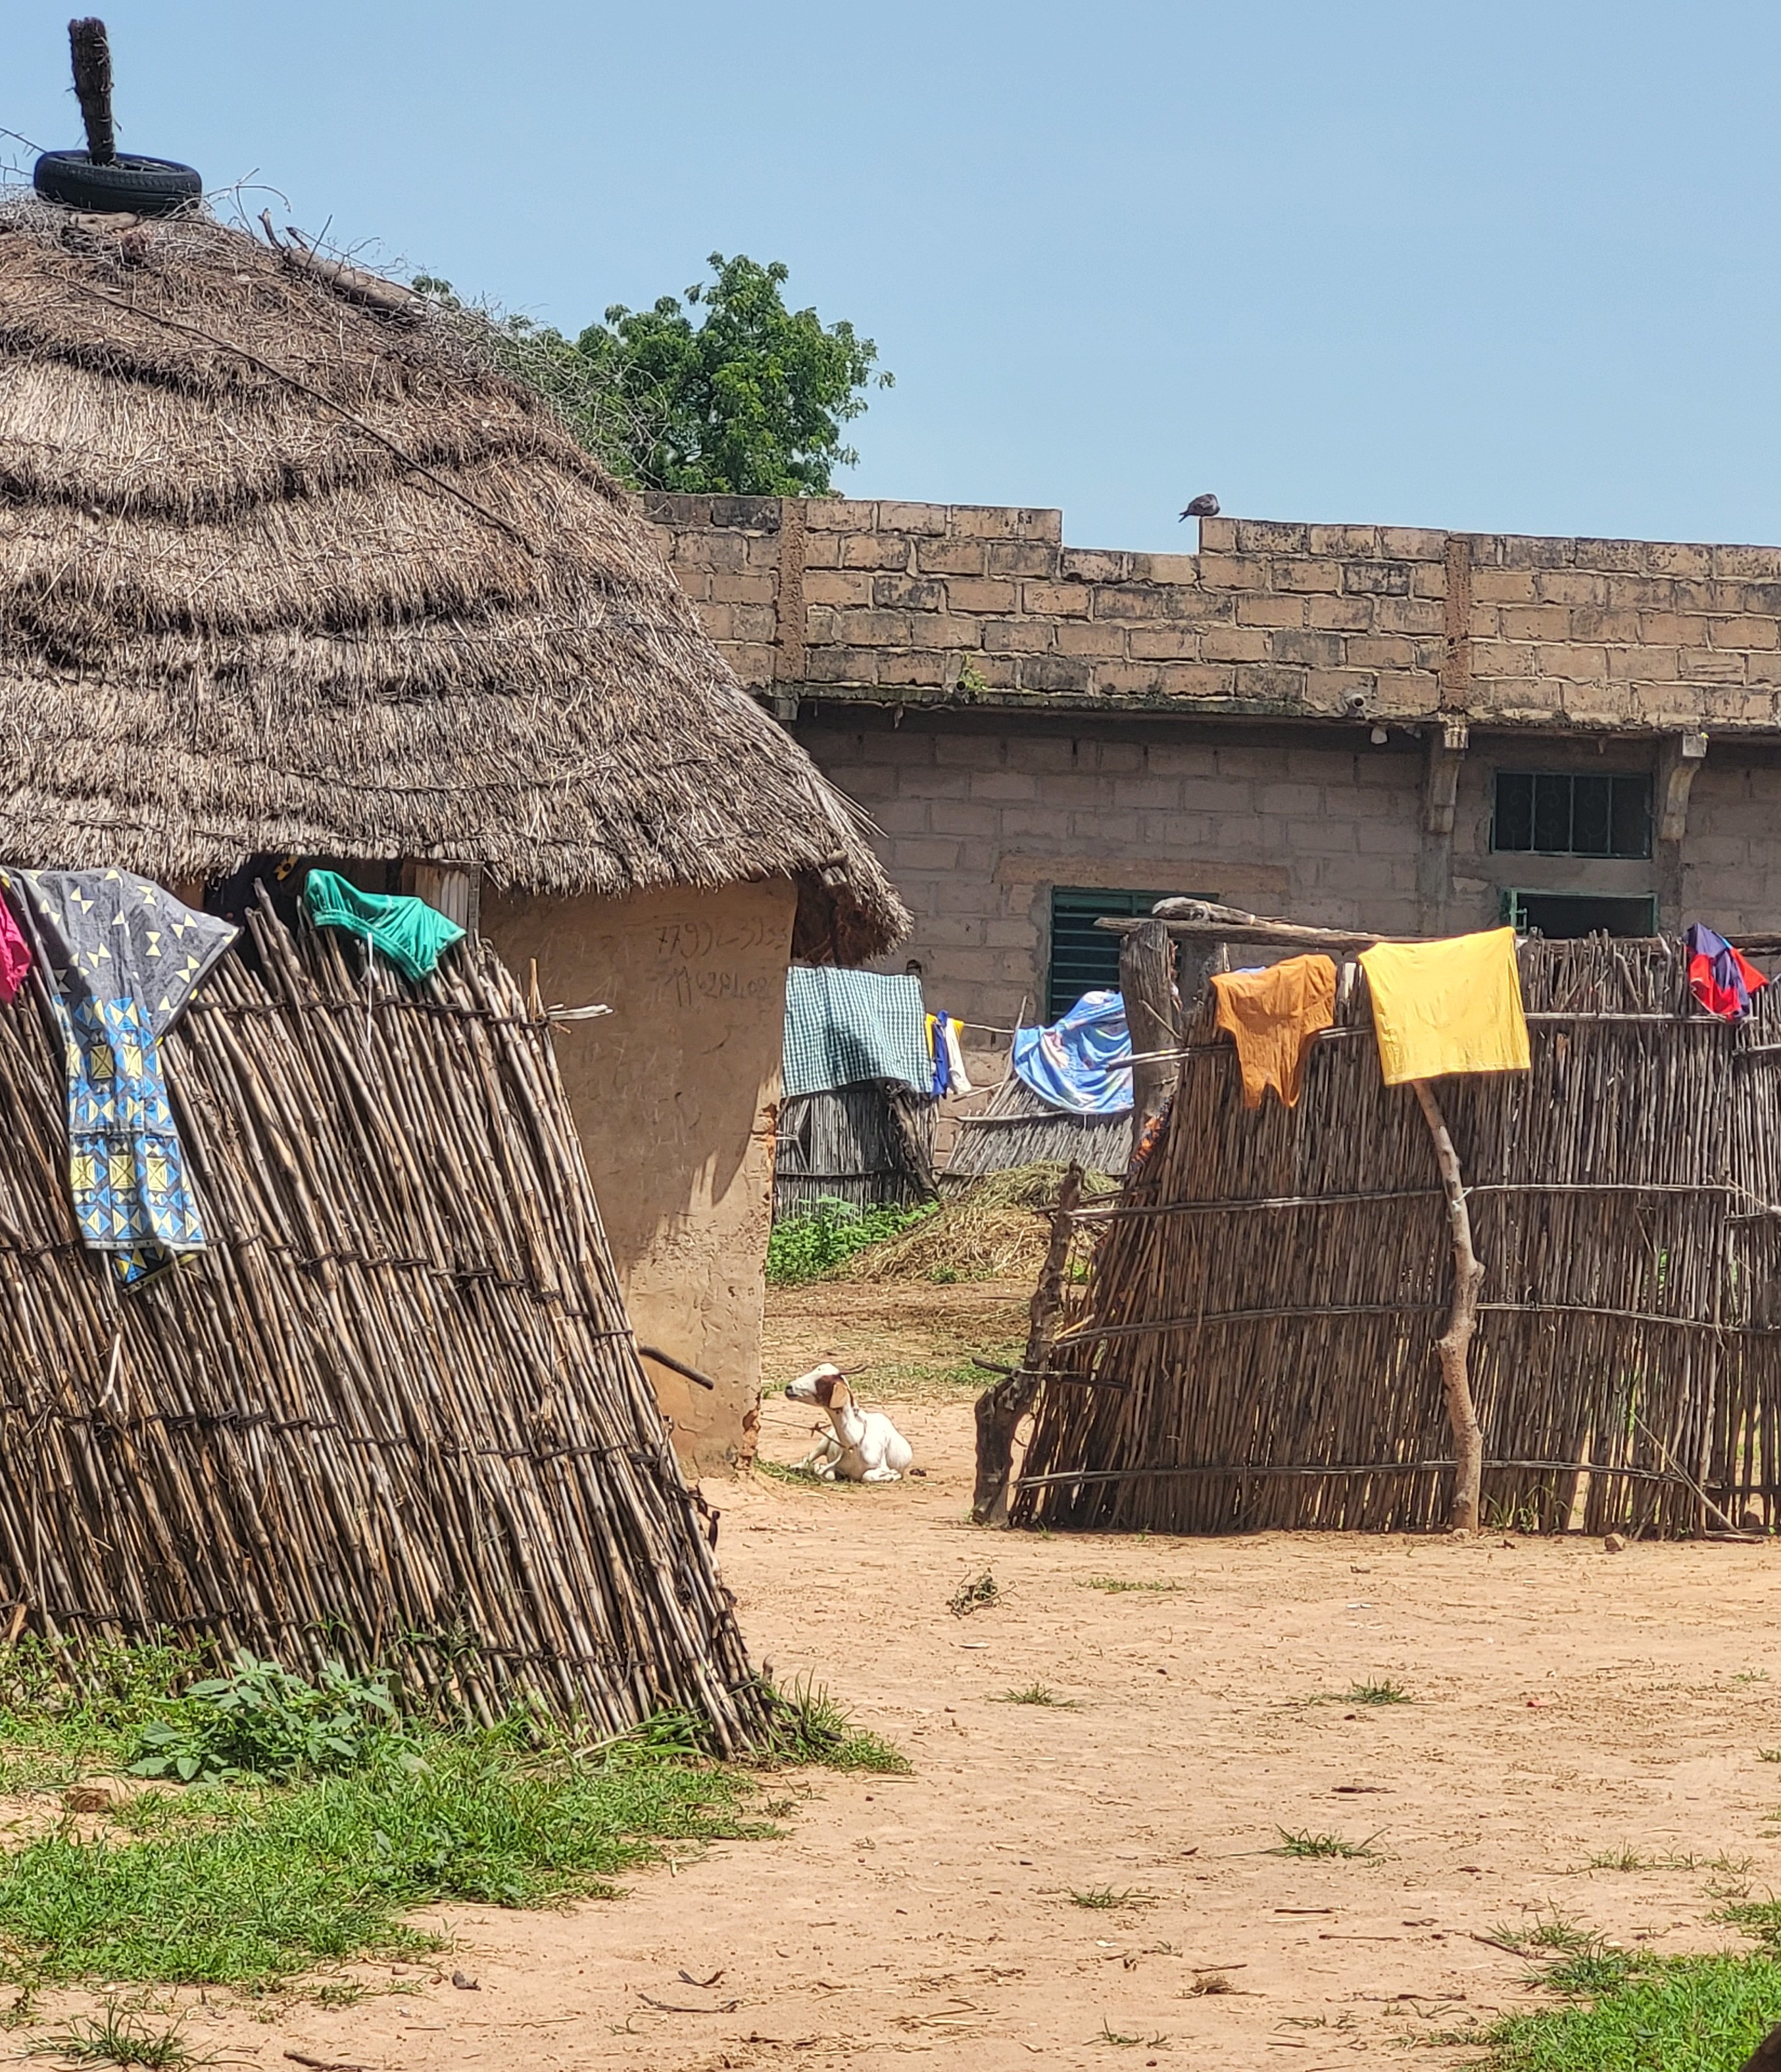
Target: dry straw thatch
{"points": [[283, 573], [995, 1229], [395, 1412], [1259, 1322]]}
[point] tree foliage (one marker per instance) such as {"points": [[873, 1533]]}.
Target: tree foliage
{"points": [[725, 390]]}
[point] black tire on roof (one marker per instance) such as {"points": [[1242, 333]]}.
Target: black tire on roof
{"points": [[141, 186]]}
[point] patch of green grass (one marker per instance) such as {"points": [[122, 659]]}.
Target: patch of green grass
{"points": [[1118, 1585], [1751, 1676], [1104, 1899], [805, 1247], [1645, 2014], [1302, 1842], [1377, 1694], [248, 1883], [116, 2038], [253, 1880], [1037, 1694], [809, 1727]]}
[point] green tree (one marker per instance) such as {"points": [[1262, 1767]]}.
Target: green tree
{"points": [[726, 390]]}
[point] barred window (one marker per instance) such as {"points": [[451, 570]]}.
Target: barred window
{"points": [[1545, 813]]}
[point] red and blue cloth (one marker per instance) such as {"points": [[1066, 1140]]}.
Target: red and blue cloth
{"points": [[1718, 977]]}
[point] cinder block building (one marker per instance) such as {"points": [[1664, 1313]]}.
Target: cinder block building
{"points": [[1359, 725]]}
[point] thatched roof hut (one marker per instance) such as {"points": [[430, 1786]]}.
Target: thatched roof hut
{"points": [[286, 573], [282, 573]]}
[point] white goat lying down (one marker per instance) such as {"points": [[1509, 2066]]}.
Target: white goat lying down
{"points": [[865, 1445]]}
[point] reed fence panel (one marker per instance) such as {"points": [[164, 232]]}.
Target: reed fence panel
{"points": [[394, 1413], [1261, 1306]]}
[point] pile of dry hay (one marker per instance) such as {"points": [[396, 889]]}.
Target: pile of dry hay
{"points": [[994, 1230]]}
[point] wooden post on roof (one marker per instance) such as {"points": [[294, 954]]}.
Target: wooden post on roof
{"points": [[1147, 985], [1000, 1409], [1454, 1346], [91, 51]]}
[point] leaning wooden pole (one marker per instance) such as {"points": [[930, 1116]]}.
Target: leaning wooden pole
{"points": [[1454, 1346], [1147, 986], [1000, 1409]]}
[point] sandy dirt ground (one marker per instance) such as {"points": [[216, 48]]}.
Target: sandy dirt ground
{"points": [[1563, 1704]]}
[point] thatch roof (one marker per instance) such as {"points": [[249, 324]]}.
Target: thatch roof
{"points": [[281, 574]]}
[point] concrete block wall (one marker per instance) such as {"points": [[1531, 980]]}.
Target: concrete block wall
{"points": [[980, 822], [888, 602]]}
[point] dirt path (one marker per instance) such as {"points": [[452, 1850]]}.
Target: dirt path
{"points": [[1564, 1704]]}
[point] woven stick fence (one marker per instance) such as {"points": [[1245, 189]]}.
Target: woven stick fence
{"points": [[395, 1412], [1016, 1129], [1263, 1304], [870, 1143]]}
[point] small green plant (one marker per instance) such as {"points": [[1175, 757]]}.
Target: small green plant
{"points": [[1769, 1755], [1037, 1694], [1104, 1899], [971, 681], [1118, 1585], [1555, 1932], [974, 1596], [1375, 1693], [780, 1471], [116, 2038], [263, 1720], [1302, 1842], [809, 1727], [826, 1235], [1751, 1676]]}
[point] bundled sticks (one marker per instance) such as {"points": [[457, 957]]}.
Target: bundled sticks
{"points": [[395, 1412], [1263, 1304]]}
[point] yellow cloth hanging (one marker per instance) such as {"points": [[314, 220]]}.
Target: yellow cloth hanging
{"points": [[1451, 1006], [1272, 1016]]}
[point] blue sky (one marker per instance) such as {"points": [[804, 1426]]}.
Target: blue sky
{"points": [[1500, 268]]}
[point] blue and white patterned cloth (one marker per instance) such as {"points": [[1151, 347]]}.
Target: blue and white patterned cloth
{"points": [[120, 958], [1083, 1063], [844, 1027]]}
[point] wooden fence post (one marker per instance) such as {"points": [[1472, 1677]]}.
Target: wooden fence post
{"points": [[1146, 984], [1001, 1409], [1454, 1346]]}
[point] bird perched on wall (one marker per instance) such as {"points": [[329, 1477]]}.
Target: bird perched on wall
{"points": [[1202, 506]]}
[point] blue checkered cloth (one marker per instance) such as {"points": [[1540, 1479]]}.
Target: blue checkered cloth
{"points": [[844, 1027]]}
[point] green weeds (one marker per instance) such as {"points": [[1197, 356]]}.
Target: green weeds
{"points": [[1302, 1842], [809, 1728], [116, 2036], [1632, 2013], [804, 1247], [1375, 1693], [1037, 1694], [317, 1819], [1104, 1899]]}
